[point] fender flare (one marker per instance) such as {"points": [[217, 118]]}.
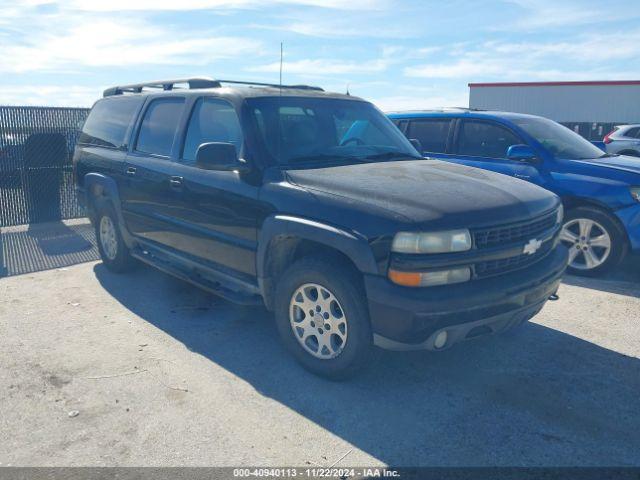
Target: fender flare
{"points": [[110, 190], [354, 246]]}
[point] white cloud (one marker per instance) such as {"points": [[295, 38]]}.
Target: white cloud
{"points": [[49, 95], [172, 5], [322, 67], [106, 43], [333, 28], [419, 102], [546, 14], [586, 57]]}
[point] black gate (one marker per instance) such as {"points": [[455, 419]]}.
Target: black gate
{"points": [[36, 178]]}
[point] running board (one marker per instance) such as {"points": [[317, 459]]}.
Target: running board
{"points": [[161, 262]]}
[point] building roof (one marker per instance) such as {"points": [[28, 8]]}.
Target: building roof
{"points": [[556, 84]]}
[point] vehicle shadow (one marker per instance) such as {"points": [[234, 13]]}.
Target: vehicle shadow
{"points": [[624, 280], [43, 246], [536, 397]]}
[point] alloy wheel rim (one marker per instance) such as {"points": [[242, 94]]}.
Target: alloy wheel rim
{"points": [[318, 321], [588, 241], [108, 238]]}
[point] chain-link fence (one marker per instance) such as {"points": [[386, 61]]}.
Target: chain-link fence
{"points": [[36, 179]]}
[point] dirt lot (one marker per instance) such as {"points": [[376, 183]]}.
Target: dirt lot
{"points": [[163, 374]]}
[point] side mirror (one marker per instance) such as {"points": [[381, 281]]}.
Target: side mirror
{"points": [[600, 144], [219, 156], [523, 153], [416, 144]]}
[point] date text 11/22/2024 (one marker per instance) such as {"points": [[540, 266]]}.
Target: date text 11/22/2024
{"points": [[317, 472]]}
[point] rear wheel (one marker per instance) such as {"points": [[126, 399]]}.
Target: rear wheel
{"points": [[113, 251], [322, 317], [595, 241], [630, 153]]}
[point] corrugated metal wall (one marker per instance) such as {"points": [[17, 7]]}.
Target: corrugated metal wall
{"points": [[576, 104]]}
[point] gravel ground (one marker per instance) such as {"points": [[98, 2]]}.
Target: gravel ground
{"points": [[142, 369]]}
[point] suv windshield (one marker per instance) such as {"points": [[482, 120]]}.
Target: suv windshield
{"points": [[294, 131], [560, 141]]}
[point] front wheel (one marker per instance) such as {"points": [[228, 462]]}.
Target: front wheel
{"points": [[322, 317], [595, 241]]}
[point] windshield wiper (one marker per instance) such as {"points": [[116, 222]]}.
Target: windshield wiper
{"points": [[607, 155], [330, 159], [391, 156]]}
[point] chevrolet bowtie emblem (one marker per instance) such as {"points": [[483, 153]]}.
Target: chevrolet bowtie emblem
{"points": [[532, 246]]}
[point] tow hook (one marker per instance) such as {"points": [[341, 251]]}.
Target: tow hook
{"points": [[554, 296]]}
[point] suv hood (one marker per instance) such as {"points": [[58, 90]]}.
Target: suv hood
{"points": [[623, 163], [442, 194]]}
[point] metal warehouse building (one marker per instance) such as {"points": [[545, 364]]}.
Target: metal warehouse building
{"points": [[590, 108]]}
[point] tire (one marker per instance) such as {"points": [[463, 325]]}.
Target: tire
{"points": [[630, 153], [585, 257], [113, 251], [347, 344]]}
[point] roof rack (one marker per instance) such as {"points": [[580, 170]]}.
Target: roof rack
{"points": [[162, 84], [274, 85], [194, 83]]}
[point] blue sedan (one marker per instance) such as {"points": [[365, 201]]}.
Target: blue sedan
{"points": [[600, 191]]}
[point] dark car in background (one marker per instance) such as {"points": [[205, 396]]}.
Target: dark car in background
{"points": [[316, 206], [600, 191]]}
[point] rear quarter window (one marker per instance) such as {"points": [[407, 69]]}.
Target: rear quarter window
{"points": [[633, 132], [109, 121]]}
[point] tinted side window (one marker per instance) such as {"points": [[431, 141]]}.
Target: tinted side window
{"points": [[108, 122], [212, 120], [432, 134], [483, 139], [159, 126]]}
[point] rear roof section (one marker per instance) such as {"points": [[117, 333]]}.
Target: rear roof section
{"points": [[228, 88], [458, 113]]}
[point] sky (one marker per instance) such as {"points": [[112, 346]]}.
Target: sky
{"points": [[399, 54]]}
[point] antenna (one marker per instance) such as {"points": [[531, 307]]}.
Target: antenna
{"points": [[281, 55], [348, 89], [280, 102]]}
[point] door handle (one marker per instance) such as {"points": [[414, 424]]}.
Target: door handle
{"points": [[131, 171], [176, 182]]}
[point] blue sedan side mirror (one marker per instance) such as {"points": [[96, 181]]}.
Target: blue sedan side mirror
{"points": [[523, 153]]}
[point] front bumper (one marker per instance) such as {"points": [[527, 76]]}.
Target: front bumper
{"points": [[630, 218], [411, 318]]}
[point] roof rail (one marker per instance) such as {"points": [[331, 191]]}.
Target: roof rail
{"points": [[194, 83], [274, 85], [163, 84]]}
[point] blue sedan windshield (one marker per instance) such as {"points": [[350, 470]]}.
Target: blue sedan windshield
{"points": [[559, 140], [298, 130]]}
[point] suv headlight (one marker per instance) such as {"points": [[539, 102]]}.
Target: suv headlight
{"points": [[635, 193], [560, 214], [432, 242]]}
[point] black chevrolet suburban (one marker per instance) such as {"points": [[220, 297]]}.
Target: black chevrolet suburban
{"points": [[315, 205]]}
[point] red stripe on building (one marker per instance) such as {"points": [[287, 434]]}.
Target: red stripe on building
{"points": [[555, 84]]}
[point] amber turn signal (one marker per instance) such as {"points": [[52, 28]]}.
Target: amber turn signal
{"points": [[431, 278], [407, 279]]}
